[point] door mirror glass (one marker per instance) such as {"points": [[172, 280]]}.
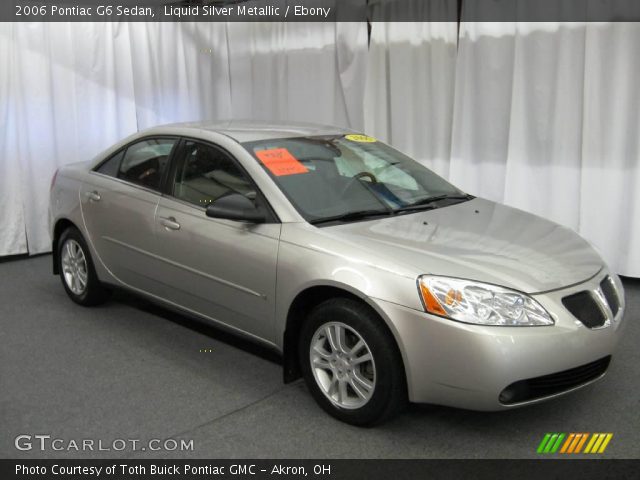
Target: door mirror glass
{"points": [[235, 207]]}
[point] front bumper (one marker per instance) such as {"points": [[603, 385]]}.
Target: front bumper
{"points": [[469, 366]]}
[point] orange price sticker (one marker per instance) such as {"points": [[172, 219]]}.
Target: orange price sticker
{"points": [[280, 162]]}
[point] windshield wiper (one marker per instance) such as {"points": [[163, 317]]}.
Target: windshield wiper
{"points": [[427, 203], [352, 216], [424, 204]]}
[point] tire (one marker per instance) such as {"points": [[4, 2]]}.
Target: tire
{"points": [[75, 266], [348, 386]]}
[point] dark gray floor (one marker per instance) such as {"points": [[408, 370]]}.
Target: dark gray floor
{"points": [[128, 370]]}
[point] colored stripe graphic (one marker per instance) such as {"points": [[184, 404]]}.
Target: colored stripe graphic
{"points": [[593, 439], [543, 443], [568, 442], [604, 445], [552, 442], [581, 443], [556, 446], [577, 438], [547, 448], [598, 443]]}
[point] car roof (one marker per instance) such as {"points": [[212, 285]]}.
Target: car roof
{"points": [[255, 130]]}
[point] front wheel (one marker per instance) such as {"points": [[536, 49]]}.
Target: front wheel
{"points": [[351, 363], [76, 270]]}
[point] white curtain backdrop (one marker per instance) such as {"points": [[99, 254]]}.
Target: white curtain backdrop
{"points": [[610, 175], [310, 72], [69, 96], [68, 91], [534, 135], [540, 116], [546, 119], [13, 237], [410, 88], [180, 72]]}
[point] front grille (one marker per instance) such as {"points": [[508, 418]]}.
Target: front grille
{"points": [[547, 385], [610, 294], [584, 307]]}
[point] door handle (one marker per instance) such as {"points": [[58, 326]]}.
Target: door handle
{"points": [[170, 223], [93, 196]]}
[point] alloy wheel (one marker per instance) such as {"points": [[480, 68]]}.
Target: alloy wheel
{"points": [[74, 267], [342, 365]]}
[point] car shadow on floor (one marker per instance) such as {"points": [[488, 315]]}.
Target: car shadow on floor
{"points": [[196, 324]]}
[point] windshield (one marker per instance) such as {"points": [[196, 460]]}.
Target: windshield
{"points": [[330, 177]]}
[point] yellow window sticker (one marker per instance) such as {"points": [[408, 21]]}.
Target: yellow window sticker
{"points": [[360, 138]]}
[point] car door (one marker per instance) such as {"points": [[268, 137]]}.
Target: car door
{"points": [[119, 201], [223, 269]]}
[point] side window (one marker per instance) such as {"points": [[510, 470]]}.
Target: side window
{"points": [[111, 166], [144, 162], [207, 174]]}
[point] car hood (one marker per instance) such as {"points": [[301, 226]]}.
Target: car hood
{"points": [[479, 240]]}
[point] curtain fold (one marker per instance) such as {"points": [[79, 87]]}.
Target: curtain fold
{"points": [[13, 238], [298, 71], [518, 120], [482, 106], [610, 170], [180, 71], [71, 96], [410, 88]]}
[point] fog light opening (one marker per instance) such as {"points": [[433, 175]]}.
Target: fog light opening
{"points": [[514, 393]]}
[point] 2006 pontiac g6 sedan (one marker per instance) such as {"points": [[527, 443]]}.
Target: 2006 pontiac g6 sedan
{"points": [[378, 281]]}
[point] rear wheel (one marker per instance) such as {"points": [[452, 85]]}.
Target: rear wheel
{"points": [[76, 269], [351, 363]]}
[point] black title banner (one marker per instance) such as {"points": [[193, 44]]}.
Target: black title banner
{"points": [[319, 10], [319, 469]]}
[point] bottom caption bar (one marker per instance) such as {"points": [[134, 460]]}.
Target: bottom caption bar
{"points": [[319, 469]]}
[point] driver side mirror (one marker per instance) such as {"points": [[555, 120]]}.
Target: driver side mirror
{"points": [[236, 207]]}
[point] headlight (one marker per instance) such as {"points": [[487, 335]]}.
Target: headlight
{"points": [[480, 303]]}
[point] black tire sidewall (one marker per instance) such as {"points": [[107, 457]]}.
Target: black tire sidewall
{"points": [[390, 390]]}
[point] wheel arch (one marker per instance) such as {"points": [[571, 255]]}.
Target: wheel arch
{"points": [[61, 225], [303, 303]]}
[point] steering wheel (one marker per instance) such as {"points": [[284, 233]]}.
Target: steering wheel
{"points": [[356, 177], [147, 173], [385, 168]]}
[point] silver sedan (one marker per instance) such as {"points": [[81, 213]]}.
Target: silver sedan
{"points": [[378, 281]]}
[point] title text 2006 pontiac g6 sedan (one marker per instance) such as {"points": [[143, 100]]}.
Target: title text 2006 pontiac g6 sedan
{"points": [[377, 280]]}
